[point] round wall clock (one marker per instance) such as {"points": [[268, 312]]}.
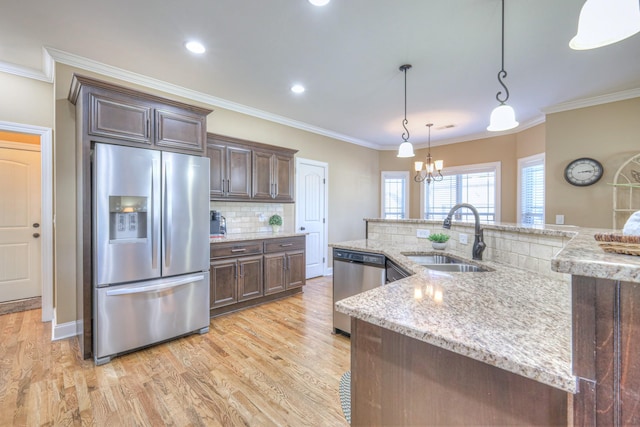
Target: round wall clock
{"points": [[583, 172]]}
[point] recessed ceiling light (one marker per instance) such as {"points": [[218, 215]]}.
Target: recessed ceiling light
{"points": [[297, 88], [195, 47], [319, 2]]}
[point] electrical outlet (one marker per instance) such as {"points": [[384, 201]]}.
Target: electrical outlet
{"points": [[463, 239], [423, 234], [560, 219], [261, 217]]}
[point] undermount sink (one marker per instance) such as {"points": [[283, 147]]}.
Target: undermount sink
{"points": [[445, 263], [456, 268], [432, 259]]}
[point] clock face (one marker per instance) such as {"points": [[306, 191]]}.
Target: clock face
{"points": [[583, 172]]}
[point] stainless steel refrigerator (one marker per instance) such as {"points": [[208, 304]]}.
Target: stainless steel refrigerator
{"points": [[150, 247]]}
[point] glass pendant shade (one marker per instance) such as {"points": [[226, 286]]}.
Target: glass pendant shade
{"points": [[439, 164], [406, 150], [502, 118], [604, 22], [418, 166]]}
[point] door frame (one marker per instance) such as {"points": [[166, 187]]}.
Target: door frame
{"points": [[46, 205], [326, 271]]}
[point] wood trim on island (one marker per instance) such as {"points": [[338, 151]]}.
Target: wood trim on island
{"points": [[606, 326], [397, 380]]}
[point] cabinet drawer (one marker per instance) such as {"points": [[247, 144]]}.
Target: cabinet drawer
{"points": [[235, 249], [284, 244]]}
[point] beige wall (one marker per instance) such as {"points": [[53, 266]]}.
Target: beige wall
{"points": [[26, 101], [505, 149], [353, 176], [608, 133]]}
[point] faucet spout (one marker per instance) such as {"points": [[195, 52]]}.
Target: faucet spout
{"points": [[478, 243]]}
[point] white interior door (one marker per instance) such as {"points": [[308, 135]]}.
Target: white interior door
{"points": [[311, 204], [20, 249]]}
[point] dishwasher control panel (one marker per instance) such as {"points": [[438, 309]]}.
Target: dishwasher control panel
{"points": [[362, 257]]}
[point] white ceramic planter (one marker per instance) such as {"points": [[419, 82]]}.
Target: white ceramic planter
{"points": [[440, 246]]}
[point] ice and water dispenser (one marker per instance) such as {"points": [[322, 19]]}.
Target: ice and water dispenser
{"points": [[128, 218]]}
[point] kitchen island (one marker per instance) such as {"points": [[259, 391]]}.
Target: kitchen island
{"points": [[476, 348]]}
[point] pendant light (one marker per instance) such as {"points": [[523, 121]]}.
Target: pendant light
{"points": [[430, 166], [406, 148], [604, 22], [502, 117]]}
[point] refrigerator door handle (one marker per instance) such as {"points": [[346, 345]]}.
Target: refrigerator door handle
{"points": [[157, 287], [166, 215], [154, 248]]}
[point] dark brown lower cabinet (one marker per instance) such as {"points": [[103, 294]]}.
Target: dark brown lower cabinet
{"points": [[235, 280], [284, 271], [241, 276], [397, 380]]}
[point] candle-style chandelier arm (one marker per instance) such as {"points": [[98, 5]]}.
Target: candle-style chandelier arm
{"points": [[430, 166]]}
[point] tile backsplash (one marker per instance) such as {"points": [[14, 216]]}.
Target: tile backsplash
{"points": [[251, 217]]}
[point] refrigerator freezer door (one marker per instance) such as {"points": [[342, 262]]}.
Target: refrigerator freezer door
{"points": [[185, 214], [126, 204], [133, 316]]}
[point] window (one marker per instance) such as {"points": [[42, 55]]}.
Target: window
{"points": [[478, 185], [531, 190], [395, 195]]}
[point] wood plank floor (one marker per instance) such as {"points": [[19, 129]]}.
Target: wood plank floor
{"points": [[273, 365]]}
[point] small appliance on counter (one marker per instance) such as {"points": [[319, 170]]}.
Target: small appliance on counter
{"points": [[217, 225]]}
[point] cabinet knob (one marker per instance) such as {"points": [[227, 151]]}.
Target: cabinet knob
{"points": [[302, 228], [36, 235], [36, 225]]}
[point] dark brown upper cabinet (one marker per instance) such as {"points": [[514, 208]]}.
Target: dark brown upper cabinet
{"points": [[250, 171], [125, 116], [230, 170]]}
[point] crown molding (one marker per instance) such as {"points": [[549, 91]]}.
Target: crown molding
{"points": [[593, 101], [45, 75], [149, 82]]}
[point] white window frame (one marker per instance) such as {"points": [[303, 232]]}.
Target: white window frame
{"points": [[465, 169], [524, 162], [395, 174]]}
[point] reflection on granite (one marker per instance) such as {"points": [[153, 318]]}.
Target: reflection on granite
{"points": [[237, 237], [509, 318]]}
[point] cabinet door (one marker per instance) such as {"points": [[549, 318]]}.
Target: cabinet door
{"points": [[180, 130], [120, 118], [262, 172], [296, 269], [217, 155], [250, 278], [283, 177], [238, 173], [223, 278], [274, 273]]}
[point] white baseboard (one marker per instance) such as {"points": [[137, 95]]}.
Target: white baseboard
{"points": [[328, 272], [63, 330]]}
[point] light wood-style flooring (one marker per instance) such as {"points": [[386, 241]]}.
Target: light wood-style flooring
{"points": [[274, 365]]}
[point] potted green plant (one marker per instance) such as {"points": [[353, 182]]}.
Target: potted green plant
{"points": [[275, 221], [438, 240]]}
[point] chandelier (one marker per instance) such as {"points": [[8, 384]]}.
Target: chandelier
{"points": [[432, 170]]}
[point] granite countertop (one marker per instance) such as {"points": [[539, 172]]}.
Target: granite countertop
{"points": [[583, 257], [237, 237], [509, 318]]}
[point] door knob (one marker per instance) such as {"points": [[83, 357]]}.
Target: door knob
{"points": [[36, 225], [36, 235], [302, 228]]}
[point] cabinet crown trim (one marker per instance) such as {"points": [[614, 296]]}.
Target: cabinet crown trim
{"points": [[78, 81]]}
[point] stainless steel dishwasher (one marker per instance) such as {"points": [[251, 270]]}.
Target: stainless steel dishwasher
{"points": [[354, 272]]}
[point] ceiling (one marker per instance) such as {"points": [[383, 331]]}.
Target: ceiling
{"points": [[347, 55]]}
